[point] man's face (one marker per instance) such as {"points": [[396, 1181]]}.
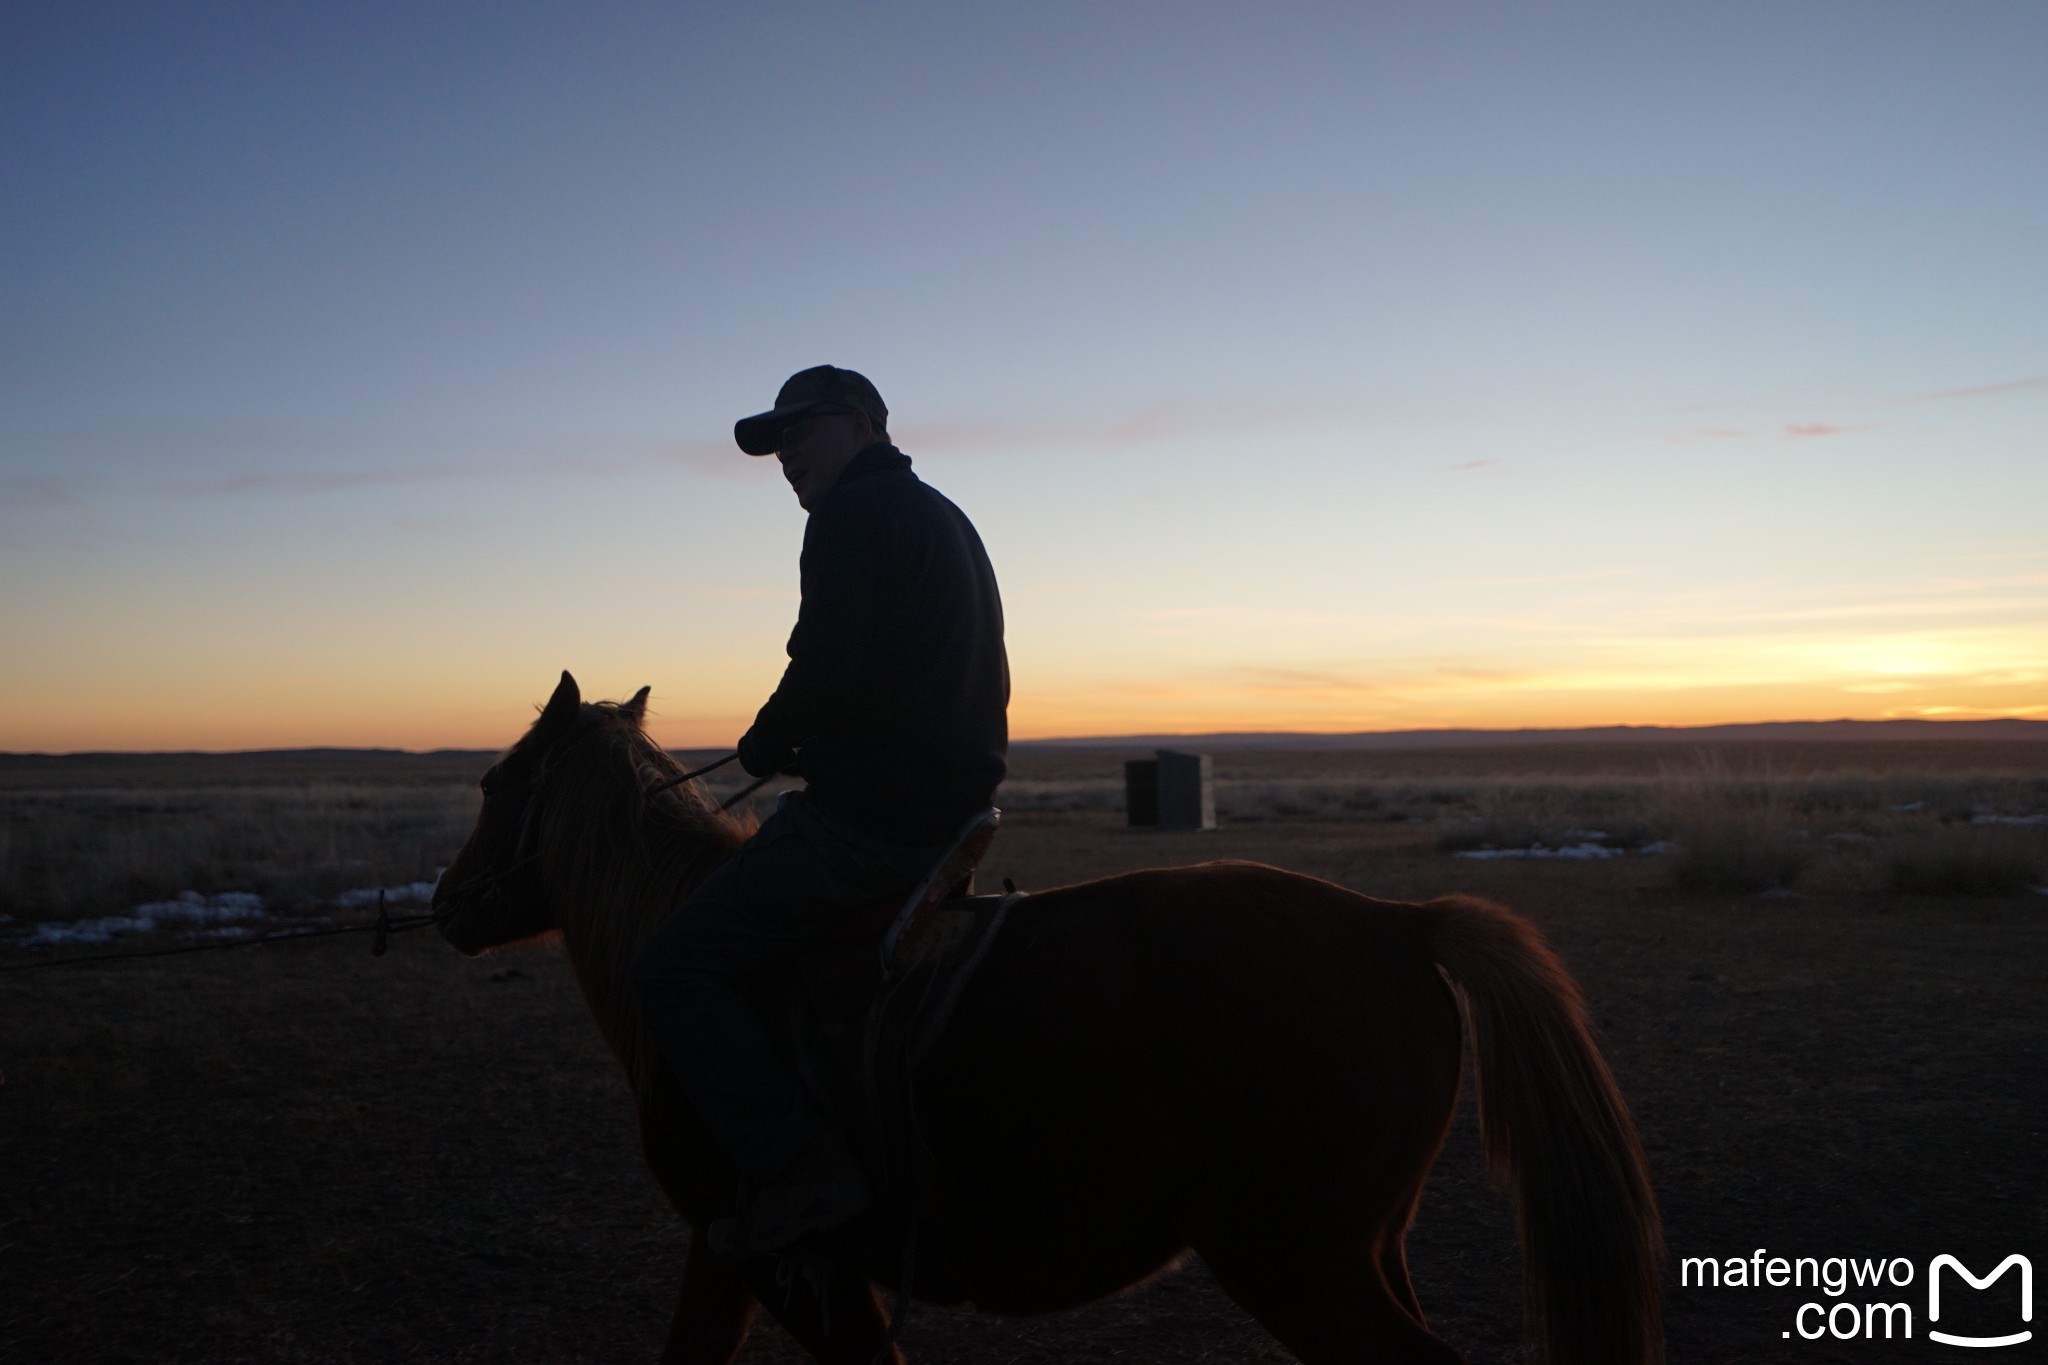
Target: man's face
{"points": [[816, 449]]}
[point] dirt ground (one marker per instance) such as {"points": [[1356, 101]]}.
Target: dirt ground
{"points": [[299, 1153]]}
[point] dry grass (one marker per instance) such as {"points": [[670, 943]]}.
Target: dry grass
{"points": [[65, 854], [95, 834], [1734, 826], [1968, 860], [1744, 818], [1740, 848]]}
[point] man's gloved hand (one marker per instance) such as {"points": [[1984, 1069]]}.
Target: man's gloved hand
{"points": [[760, 759]]}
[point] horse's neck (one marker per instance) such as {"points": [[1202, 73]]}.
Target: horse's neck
{"points": [[607, 912]]}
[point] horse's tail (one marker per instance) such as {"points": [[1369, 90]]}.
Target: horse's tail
{"points": [[1557, 1134]]}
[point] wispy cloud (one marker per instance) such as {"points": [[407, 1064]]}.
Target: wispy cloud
{"points": [[1677, 618], [34, 492], [317, 480], [1798, 431], [1475, 464], [299, 475], [1298, 682], [1814, 430], [1167, 419], [1964, 713], [1182, 614], [1559, 579], [748, 594], [1239, 618], [1978, 390]]}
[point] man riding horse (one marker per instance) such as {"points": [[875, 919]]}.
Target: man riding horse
{"points": [[893, 710]]}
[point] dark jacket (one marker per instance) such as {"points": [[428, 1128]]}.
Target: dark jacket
{"points": [[893, 705]]}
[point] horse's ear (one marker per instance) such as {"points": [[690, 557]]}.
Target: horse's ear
{"points": [[636, 709], [563, 704]]}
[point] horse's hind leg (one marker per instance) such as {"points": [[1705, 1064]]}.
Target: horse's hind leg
{"points": [[1330, 1305], [1394, 1271]]}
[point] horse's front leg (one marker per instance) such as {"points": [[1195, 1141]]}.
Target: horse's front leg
{"points": [[713, 1310]]}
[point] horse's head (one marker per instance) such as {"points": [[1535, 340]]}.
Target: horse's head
{"points": [[496, 891]]}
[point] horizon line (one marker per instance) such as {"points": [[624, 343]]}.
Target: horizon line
{"points": [[1239, 738]]}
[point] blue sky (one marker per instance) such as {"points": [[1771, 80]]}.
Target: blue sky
{"points": [[1314, 369]]}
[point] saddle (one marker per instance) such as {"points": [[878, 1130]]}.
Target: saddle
{"points": [[864, 1006]]}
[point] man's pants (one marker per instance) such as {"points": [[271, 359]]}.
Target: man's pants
{"points": [[802, 873]]}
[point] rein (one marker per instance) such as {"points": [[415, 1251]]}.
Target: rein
{"points": [[660, 787], [742, 794]]}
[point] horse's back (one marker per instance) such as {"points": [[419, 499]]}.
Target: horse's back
{"points": [[1216, 948], [1171, 1044]]}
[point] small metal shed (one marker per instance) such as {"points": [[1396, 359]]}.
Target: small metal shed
{"points": [[1171, 791]]}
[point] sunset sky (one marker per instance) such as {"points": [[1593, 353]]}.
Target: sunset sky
{"points": [[1320, 367]]}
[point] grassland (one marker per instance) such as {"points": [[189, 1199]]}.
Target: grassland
{"points": [[299, 1153]]}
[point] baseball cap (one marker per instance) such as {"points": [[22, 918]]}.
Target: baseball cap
{"points": [[818, 386]]}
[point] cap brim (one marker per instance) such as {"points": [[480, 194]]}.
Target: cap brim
{"points": [[761, 434]]}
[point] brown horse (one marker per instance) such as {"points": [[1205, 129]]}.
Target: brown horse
{"points": [[1249, 1062]]}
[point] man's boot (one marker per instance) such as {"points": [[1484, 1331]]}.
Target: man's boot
{"points": [[822, 1188]]}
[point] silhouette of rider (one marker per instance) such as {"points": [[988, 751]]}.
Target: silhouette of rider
{"points": [[893, 710]]}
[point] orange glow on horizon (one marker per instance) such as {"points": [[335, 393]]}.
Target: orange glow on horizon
{"points": [[1085, 687], [1117, 713]]}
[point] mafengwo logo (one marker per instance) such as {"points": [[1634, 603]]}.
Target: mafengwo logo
{"points": [[2026, 1269], [1880, 1312]]}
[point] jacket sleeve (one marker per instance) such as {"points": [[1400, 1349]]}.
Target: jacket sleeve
{"points": [[830, 647]]}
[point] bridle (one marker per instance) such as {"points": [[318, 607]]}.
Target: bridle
{"points": [[486, 888]]}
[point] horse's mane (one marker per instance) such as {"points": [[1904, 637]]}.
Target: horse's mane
{"points": [[617, 860]]}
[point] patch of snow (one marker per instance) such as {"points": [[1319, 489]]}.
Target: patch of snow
{"points": [[2009, 819], [1659, 846], [192, 908], [222, 915], [1579, 851], [394, 895], [89, 930], [1910, 807]]}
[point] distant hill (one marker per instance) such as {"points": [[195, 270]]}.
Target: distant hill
{"points": [[252, 768], [382, 766], [1860, 731]]}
